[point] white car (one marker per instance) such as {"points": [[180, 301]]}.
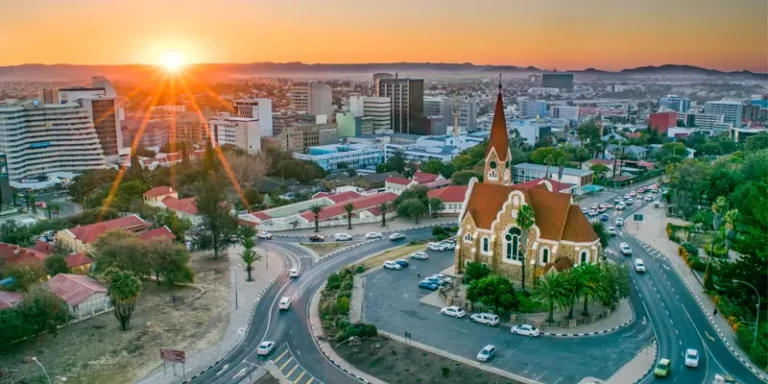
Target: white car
{"points": [[438, 247], [649, 198], [619, 222], [389, 264], [342, 237], [485, 318], [373, 235], [285, 303], [264, 235], [293, 272], [442, 277], [419, 256], [639, 266], [265, 348], [594, 206], [691, 358], [625, 249], [525, 330], [449, 245], [593, 212], [486, 353], [612, 231], [627, 196], [396, 236], [453, 311], [617, 200]]}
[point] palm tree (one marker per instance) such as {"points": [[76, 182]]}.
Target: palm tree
{"points": [[15, 196], [575, 286], [55, 208], [316, 209], [436, 205], [30, 200], [592, 288], [548, 160], [525, 220], [349, 207], [599, 229], [49, 209], [249, 256], [124, 289], [383, 207], [552, 291]]}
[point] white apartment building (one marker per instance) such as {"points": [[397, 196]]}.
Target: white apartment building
{"points": [[433, 106], [356, 105], [730, 109], [467, 110], [259, 109], [242, 132], [530, 108], [380, 111], [41, 139], [313, 98], [565, 112]]}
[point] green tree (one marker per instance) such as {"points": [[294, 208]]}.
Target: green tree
{"points": [[14, 328], [689, 181], [463, 162], [123, 250], [540, 155], [124, 289], [412, 208], [349, 208], [29, 199], [432, 166], [589, 135], [614, 280], [384, 208], [396, 162], [218, 226], [600, 170], [552, 290], [249, 256], [476, 271], [209, 158], [13, 233], [463, 177], [135, 172], [169, 261], [24, 275], [177, 225], [435, 206], [601, 232], [496, 291], [447, 170], [418, 192], [316, 209], [56, 264], [43, 311], [526, 219], [756, 142], [592, 288]]}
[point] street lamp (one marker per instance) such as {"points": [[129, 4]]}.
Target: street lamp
{"points": [[41, 366], [757, 317]]}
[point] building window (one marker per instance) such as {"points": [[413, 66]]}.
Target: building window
{"points": [[468, 237], [492, 175], [486, 245], [512, 244], [544, 255], [584, 258]]}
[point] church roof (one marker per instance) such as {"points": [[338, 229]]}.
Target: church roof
{"points": [[556, 217], [499, 139]]}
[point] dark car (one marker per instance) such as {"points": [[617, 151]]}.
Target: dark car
{"points": [[402, 263], [604, 217], [316, 238], [428, 285]]}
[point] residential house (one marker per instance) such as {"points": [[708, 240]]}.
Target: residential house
{"points": [[452, 196], [154, 197], [79, 239], [166, 197], [431, 181], [9, 299], [366, 210], [375, 180], [85, 297], [581, 179]]}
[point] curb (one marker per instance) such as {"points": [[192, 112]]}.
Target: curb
{"points": [[622, 325], [382, 232], [655, 359], [711, 319]]}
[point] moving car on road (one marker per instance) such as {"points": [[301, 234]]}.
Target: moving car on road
{"points": [[691, 358], [285, 303], [402, 263], [396, 236], [619, 222], [342, 237], [264, 235], [453, 311], [649, 198], [525, 330], [294, 272], [265, 348], [316, 238], [486, 353], [485, 318], [662, 368], [372, 235], [428, 285], [612, 231], [389, 264], [625, 249], [604, 217], [639, 266], [419, 256]]}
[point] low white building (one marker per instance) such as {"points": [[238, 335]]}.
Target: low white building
{"points": [[242, 132], [522, 173], [85, 297]]}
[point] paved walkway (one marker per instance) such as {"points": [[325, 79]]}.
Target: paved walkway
{"points": [[393, 225], [248, 293], [653, 232], [637, 368]]}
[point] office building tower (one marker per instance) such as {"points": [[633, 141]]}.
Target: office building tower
{"points": [[313, 98], [433, 106], [379, 110], [259, 109], [48, 96], [377, 77], [242, 132], [675, 103], [663, 121], [565, 112], [350, 125], [730, 109], [356, 105], [40, 139], [467, 110], [6, 193], [407, 104], [532, 109], [563, 81]]}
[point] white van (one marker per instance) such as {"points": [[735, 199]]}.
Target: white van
{"points": [[639, 266], [485, 318]]}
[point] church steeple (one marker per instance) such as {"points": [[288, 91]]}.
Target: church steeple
{"points": [[497, 158]]}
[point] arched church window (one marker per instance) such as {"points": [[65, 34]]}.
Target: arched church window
{"points": [[545, 255], [512, 244], [584, 258]]}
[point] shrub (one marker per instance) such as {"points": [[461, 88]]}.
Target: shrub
{"points": [[475, 271], [438, 231], [528, 305], [691, 249], [697, 264], [347, 285], [445, 371], [359, 269], [342, 305]]}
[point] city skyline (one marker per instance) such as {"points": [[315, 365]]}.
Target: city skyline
{"points": [[565, 36]]}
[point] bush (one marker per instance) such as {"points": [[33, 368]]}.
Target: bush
{"points": [[445, 371], [475, 271], [528, 305], [359, 269], [697, 264], [342, 306], [691, 249], [437, 231]]}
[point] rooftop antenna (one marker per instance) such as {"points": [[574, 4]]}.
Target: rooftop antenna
{"points": [[499, 83]]}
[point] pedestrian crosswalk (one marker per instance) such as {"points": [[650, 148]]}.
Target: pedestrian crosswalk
{"points": [[285, 361]]}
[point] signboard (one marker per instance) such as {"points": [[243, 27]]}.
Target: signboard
{"points": [[173, 356], [44, 144], [638, 217]]}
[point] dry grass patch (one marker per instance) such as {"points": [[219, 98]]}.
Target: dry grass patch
{"points": [[397, 253], [323, 249]]}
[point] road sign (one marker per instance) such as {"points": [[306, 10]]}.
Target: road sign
{"points": [[173, 356], [638, 217]]}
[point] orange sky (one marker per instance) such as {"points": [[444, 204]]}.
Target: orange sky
{"points": [[568, 34]]}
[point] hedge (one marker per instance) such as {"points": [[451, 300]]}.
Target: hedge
{"points": [[690, 254]]}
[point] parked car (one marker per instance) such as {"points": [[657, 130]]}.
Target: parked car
{"points": [[663, 367], [593, 212], [234, 238], [619, 222], [691, 358], [649, 198], [449, 245], [389, 264], [629, 202], [442, 277], [627, 196], [625, 249], [585, 211], [264, 235], [402, 263], [265, 348], [316, 238], [594, 206], [620, 206], [525, 330], [617, 200], [639, 266], [342, 237], [285, 303], [453, 311], [485, 318], [604, 217], [486, 353], [434, 280], [396, 236], [419, 256], [428, 285], [612, 231], [602, 209], [438, 247], [372, 235]]}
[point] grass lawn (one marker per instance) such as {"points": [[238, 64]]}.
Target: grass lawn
{"points": [[323, 249], [96, 351], [395, 363]]}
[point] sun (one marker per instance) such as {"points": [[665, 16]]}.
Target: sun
{"points": [[172, 61]]}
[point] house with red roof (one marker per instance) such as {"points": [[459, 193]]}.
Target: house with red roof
{"points": [[431, 181], [9, 299], [550, 184], [12, 254], [155, 196], [452, 197], [79, 239], [366, 210], [85, 297], [167, 197]]}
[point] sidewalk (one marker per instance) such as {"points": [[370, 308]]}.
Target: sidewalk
{"points": [[393, 225], [637, 368], [248, 294], [652, 231]]}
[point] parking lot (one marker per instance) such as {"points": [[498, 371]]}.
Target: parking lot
{"points": [[392, 303]]}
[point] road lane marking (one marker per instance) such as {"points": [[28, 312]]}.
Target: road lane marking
{"points": [[224, 368], [287, 375], [281, 355], [709, 337], [286, 363], [311, 379], [676, 332], [300, 376], [680, 341]]}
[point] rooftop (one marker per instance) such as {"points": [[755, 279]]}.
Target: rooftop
{"points": [[90, 233], [543, 168], [74, 289]]}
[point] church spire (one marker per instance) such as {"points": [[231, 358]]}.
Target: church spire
{"points": [[497, 166]]}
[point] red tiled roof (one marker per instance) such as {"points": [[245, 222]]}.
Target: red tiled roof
{"points": [[9, 299], [181, 205], [320, 194], [12, 253], [78, 259], [374, 211], [397, 180], [176, 156], [344, 196], [365, 202], [423, 177], [261, 215], [158, 191], [450, 194], [162, 232], [577, 228], [437, 184], [556, 185], [89, 233], [74, 289], [43, 247]]}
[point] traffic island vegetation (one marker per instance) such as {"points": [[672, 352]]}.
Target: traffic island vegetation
{"points": [[323, 249], [335, 304]]}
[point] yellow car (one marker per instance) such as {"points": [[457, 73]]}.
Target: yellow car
{"points": [[662, 368]]}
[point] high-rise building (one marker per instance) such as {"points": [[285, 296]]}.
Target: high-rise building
{"points": [[313, 98], [260, 109], [531, 109], [557, 80], [407, 104], [350, 125], [377, 77], [6, 193], [48, 96], [356, 105], [730, 109], [242, 132], [675, 103], [467, 113], [379, 110], [39, 139], [565, 112], [433, 106], [663, 121], [312, 135]]}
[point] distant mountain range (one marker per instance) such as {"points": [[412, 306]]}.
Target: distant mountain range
{"points": [[66, 72]]}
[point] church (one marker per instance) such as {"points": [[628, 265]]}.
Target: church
{"points": [[561, 237]]}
